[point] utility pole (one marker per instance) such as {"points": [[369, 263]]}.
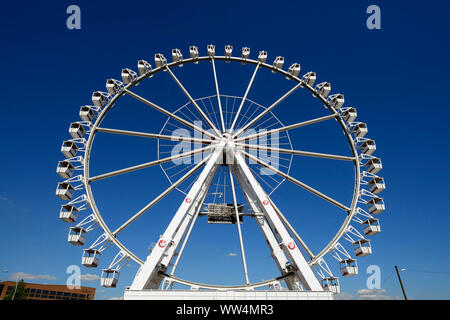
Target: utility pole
{"points": [[401, 284]]}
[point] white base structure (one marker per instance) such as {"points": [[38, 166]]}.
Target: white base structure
{"points": [[226, 295]]}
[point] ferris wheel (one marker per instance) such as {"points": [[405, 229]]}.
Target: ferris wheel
{"points": [[227, 140]]}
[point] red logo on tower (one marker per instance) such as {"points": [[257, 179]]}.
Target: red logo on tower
{"points": [[291, 245], [188, 200], [265, 202], [162, 243]]}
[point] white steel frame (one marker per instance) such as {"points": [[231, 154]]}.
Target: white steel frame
{"points": [[295, 269]]}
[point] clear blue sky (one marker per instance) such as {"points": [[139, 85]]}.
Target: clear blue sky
{"points": [[396, 77]]}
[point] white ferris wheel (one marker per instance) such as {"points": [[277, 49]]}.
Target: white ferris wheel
{"points": [[224, 182]]}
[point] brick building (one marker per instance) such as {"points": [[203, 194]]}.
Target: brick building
{"points": [[37, 291]]}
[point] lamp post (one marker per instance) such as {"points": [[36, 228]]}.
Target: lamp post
{"points": [[400, 280]]}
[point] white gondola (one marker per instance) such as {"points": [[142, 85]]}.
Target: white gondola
{"points": [[109, 278], [368, 147], [211, 50], [99, 99], [350, 115], [374, 165], [294, 70], [65, 191], [309, 78], [372, 227], [375, 205], [65, 169], [228, 51], [193, 53], [376, 185], [68, 213], [348, 267], [87, 113], [128, 75], [112, 86], [262, 56], [336, 100], [245, 53], [76, 130], [278, 63], [331, 284], [77, 236], [69, 149], [323, 89], [177, 56], [90, 258], [362, 247], [360, 130], [144, 67], [160, 60]]}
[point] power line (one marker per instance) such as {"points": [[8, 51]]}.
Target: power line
{"points": [[427, 271], [384, 281]]}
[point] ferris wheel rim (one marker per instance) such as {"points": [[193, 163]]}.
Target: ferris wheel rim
{"points": [[107, 107]]}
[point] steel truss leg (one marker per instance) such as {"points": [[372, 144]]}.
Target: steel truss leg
{"points": [[259, 198], [148, 276]]}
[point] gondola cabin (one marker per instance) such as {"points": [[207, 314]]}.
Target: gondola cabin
{"points": [[348, 267], [362, 247], [331, 284], [109, 278], [65, 169], [375, 205], [76, 130], [65, 191], [376, 185], [90, 258], [374, 165], [349, 115], [69, 149], [68, 213], [371, 227], [77, 236], [86, 113], [360, 130], [368, 147]]}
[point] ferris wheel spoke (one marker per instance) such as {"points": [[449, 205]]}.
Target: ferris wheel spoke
{"points": [[244, 263], [161, 196], [153, 135], [262, 114], [297, 152], [244, 98], [168, 113], [147, 164], [292, 230], [218, 95], [205, 117], [297, 182], [186, 238], [286, 128]]}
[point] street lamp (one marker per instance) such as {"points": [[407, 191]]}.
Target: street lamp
{"points": [[400, 280]]}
